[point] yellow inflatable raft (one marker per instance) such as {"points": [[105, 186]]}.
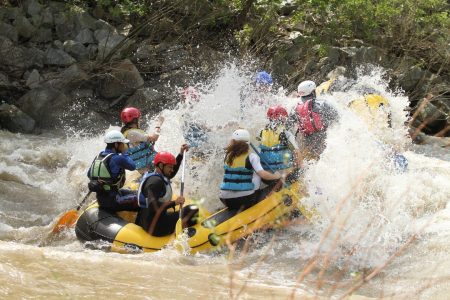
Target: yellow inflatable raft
{"points": [[227, 226]]}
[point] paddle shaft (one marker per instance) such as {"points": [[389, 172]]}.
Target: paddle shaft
{"points": [[183, 167], [262, 158], [84, 200]]}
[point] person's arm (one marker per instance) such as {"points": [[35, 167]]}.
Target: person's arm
{"points": [[125, 162], [256, 164], [154, 137], [179, 159]]}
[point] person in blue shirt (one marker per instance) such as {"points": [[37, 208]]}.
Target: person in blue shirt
{"points": [[107, 175]]}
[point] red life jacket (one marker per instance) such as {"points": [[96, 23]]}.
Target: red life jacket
{"points": [[309, 121]]}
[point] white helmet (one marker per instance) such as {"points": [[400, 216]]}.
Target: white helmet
{"points": [[241, 135], [115, 136], [306, 87]]}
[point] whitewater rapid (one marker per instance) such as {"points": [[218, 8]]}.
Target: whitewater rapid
{"points": [[365, 209]]}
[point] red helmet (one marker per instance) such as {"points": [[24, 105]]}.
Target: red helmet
{"points": [[277, 112], [166, 158], [128, 114]]}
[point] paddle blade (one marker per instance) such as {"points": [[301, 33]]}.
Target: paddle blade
{"points": [[67, 220]]}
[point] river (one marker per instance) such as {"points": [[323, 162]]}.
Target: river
{"points": [[371, 220]]}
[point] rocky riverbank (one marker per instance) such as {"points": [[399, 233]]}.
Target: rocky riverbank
{"points": [[61, 66]]}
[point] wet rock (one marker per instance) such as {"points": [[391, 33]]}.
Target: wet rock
{"points": [[122, 79], [101, 34], [15, 120], [57, 57], [24, 27], [77, 50], [45, 105], [85, 36], [9, 31], [34, 79], [410, 78]]}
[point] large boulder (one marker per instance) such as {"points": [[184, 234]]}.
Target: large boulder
{"points": [[64, 26], [34, 79], [122, 79], [77, 50], [15, 60], [107, 44], [42, 35], [15, 120], [85, 36], [57, 57], [32, 7], [148, 100], [46, 105]]}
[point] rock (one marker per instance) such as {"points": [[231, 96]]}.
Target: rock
{"points": [[9, 31], [74, 73], [15, 120], [77, 50], [32, 7], [107, 44], [175, 58], [58, 44], [123, 79], [47, 17], [42, 35], [12, 13], [79, 94], [34, 79], [24, 27], [64, 26], [4, 80], [45, 105], [147, 99], [84, 20], [16, 60], [92, 51], [101, 24], [411, 78], [100, 34], [85, 36], [57, 57], [430, 114]]}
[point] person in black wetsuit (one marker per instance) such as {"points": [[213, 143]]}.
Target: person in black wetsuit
{"points": [[155, 195]]}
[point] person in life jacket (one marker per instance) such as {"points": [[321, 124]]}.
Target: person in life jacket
{"points": [[107, 174], [155, 195], [312, 117], [278, 148], [142, 146], [243, 173]]}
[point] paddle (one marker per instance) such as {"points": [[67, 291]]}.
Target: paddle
{"points": [[183, 167], [69, 218]]}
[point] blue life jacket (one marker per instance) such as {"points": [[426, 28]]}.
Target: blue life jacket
{"points": [[143, 155], [238, 176], [143, 201], [273, 152]]}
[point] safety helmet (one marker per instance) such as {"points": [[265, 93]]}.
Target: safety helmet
{"points": [[128, 114], [277, 112], [305, 88], [263, 78], [115, 136], [166, 158], [190, 94], [241, 135]]}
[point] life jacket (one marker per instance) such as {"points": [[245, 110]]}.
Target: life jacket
{"points": [[238, 176], [142, 154], [273, 152], [167, 196], [100, 173], [309, 121]]}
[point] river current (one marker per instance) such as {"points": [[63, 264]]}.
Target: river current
{"points": [[372, 221]]}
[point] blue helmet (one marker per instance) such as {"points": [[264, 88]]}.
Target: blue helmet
{"points": [[263, 78]]}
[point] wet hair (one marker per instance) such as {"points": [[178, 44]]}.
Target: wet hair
{"points": [[234, 149]]}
